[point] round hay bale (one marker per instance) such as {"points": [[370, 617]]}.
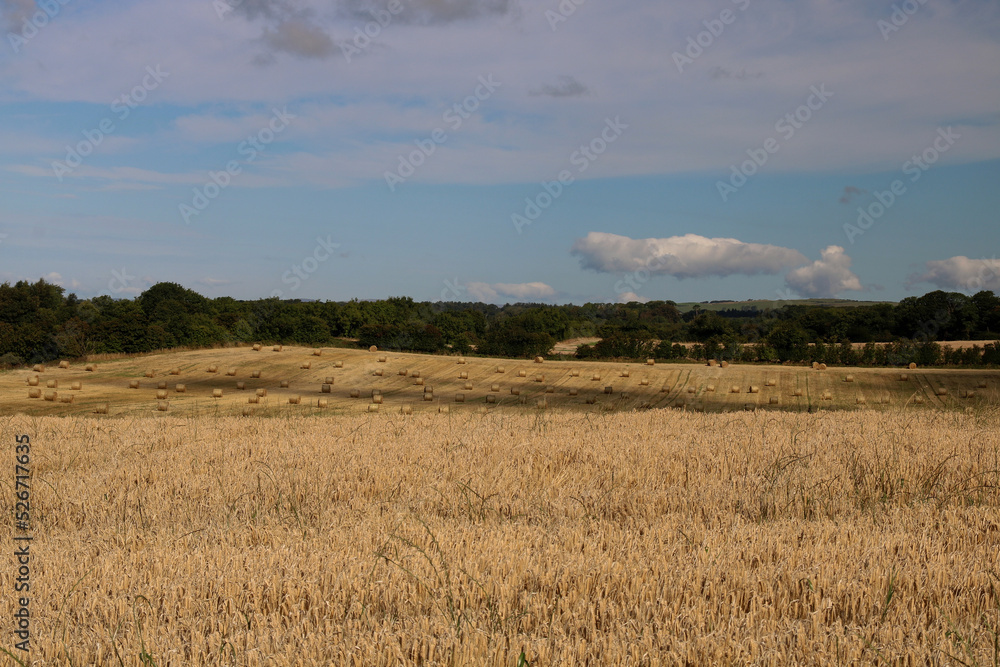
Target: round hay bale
{"points": [[827, 395], [710, 388], [884, 400], [216, 393], [574, 392], [919, 400], [101, 409], [33, 381], [539, 378], [241, 386], [338, 364], [734, 389], [294, 400], [133, 384], [860, 400], [247, 412], [541, 404], [644, 382], [328, 380], [383, 359], [753, 389], [609, 390], [355, 393], [501, 369], [428, 397], [90, 368], [798, 392], [284, 384], [34, 393], [596, 377], [213, 369], [913, 366], [941, 391], [306, 365], [822, 367], [773, 400], [254, 399], [903, 377], [514, 391], [983, 384], [415, 374], [261, 393], [968, 393], [522, 374], [626, 374], [691, 389], [175, 371], [231, 372], [550, 389], [150, 374], [848, 378], [376, 392], [257, 347], [494, 388], [770, 382], [277, 348], [403, 372], [377, 399], [664, 389], [406, 410], [443, 409], [64, 364], [161, 385], [464, 375], [161, 394], [373, 348], [815, 365], [317, 353], [468, 386], [713, 363], [724, 364], [490, 398], [373, 407], [326, 389], [750, 407], [76, 386], [180, 389], [650, 362], [38, 368], [52, 384], [461, 360], [419, 382], [428, 390], [539, 360], [51, 396], [460, 398], [162, 406], [378, 373]]}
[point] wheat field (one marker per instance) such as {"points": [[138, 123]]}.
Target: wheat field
{"points": [[658, 537]]}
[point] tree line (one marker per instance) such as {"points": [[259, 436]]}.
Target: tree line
{"points": [[40, 322]]}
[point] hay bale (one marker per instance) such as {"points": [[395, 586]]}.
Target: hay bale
{"points": [[101, 409], [494, 388], [982, 384], [257, 347], [848, 378], [150, 374], [773, 400], [514, 391], [378, 373], [468, 386], [522, 374], [415, 374], [609, 390], [625, 374], [328, 379], [231, 372], [52, 384], [501, 369], [712, 363], [374, 406], [596, 377], [750, 407], [428, 390], [490, 398], [161, 394], [76, 386], [254, 399], [180, 389], [650, 362], [90, 368], [967, 393], [574, 392], [539, 360], [213, 369], [903, 377], [443, 409], [710, 388], [277, 348], [133, 384], [64, 364], [34, 393], [161, 385], [162, 406], [753, 389], [284, 384], [247, 412], [355, 393], [33, 381], [326, 389], [575, 373], [541, 404], [734, 389], [860, 400], [464, 375], [913, 366], [175, 371], [691, 389], [38, 368], [591, 400], [373, 348], [376, 392], [317, 353], [428, 397], [770, 382], [403, 372], [919, 400], [724, 364], [51, 396], [822, 367], [241, 386], [798, 392], [383, 359], [644, 382], [539, 378], [815, 365], [261, 393], [306, 365], [460, 398], [419, 382], [461, 360], [294, 400], [338, 364], [827, 395], [664, 389], [941, 391], [406, 410], [216, 393], [550, 390]]}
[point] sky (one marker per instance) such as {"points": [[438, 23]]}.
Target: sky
{"points": [[555, 151]]}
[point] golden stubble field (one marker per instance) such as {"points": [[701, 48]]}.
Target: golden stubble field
{"points": [[656, 537]]}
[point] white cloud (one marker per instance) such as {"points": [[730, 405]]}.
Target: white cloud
{"points": [[688, 256], [826, 277], [961, 273], [489, 293], [629, 297]]}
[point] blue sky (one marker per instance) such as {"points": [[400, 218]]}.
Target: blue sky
{"points": [[502, 150]]}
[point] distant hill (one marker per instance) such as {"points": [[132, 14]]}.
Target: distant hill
{"points": [[764, 304]]}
